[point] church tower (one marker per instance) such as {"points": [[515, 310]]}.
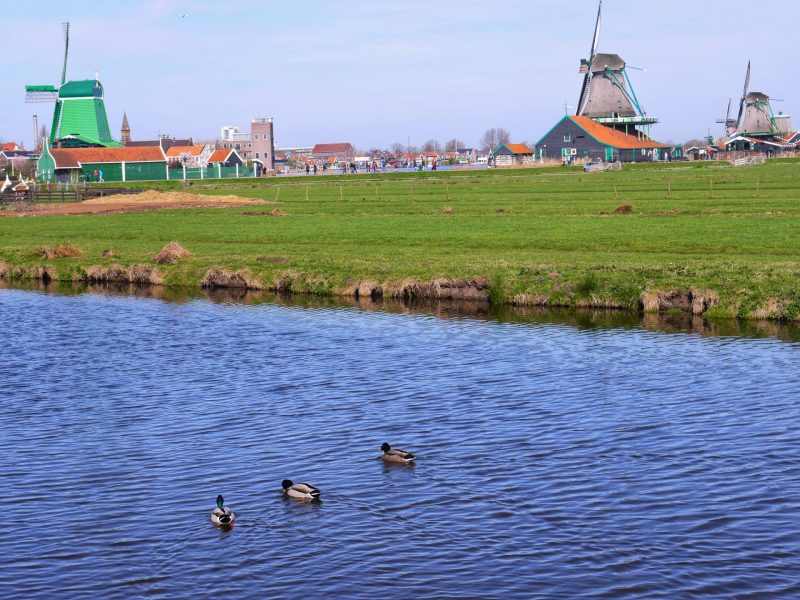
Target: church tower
{"points": [[125, 131]]}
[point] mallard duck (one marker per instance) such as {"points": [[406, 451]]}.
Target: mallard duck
{"points": [[222, 516], [396, 456], [306, 491]]}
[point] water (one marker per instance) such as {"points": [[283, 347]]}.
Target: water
{"points": [[555, 461]]}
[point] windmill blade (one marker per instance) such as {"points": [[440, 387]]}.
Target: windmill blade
{"points": [[587, 83], [65, 27], [587, 78], [728, 122], [744, 97], [596, 38]]}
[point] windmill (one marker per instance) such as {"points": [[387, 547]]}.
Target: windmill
{"points": [[79, 118], [756, 117], [607, 95], [730, 124]]}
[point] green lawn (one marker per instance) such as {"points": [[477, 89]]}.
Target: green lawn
{"points": [[543, 232]]}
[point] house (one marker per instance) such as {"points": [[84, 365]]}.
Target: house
{"points": [[340, 152], [576, 138], [701, 152], [191, 157], [256, 145], [10, 146], [123, 163], [165, 142], [225, 157], [15, 160], [467, 156], [509, 155]]}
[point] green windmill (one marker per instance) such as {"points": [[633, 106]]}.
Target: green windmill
{"points": [[79, 119]]}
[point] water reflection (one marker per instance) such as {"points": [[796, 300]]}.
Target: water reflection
{"points": [[581, 318]]}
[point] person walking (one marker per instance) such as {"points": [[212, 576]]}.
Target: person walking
{"points": [[100, 175], [307, 169]]}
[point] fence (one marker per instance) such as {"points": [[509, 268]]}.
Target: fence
{"points": [[748, 161], [210, 172]]}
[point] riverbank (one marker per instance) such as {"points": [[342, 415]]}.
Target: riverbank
{"points": [[707, 239]]}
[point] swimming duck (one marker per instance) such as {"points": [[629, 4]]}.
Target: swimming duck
{"points": [[305, 491], [222, 516], [396, 456]]}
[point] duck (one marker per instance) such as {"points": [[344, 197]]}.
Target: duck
{"points": [[396, 455], [304, 491], [222, 516]]}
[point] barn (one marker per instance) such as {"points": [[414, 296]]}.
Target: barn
{"points": [[578, 138], [72, 165]]}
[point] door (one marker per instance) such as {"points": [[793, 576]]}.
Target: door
{"points": [[609, 154]]}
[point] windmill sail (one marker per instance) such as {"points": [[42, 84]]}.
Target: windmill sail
{"points": [[65, 27], [743, 101], [586, 65]]}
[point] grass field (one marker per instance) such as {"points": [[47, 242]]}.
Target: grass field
{"points": [[538, 235]]}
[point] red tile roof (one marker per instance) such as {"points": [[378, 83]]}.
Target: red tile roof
{"points": [[221, 155], [613, 137], [324, 148], [9, 146], [176, 151], [519, 148], [72, 158]]}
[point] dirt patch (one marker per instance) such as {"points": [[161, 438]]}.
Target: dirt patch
{"points": [[770, 310], [145, 201], [61, 251], [108, 253], [365, 289], [277, 212], [695, 301], [624, 209], [140, 274], [447, 211], [441, 289], [171, 254], [217, 277], [275, 260]]}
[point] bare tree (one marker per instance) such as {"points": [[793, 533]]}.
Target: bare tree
{"points": [[453, 145], [696, 142], [494, 137], [398, 149], [42, 137], [432, 146]]}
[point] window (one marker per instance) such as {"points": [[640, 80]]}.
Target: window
{"points": [[567, 137], [256, 154], [255, 136]]}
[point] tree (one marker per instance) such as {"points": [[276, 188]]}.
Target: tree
{"points": [[398, 149], [43, 135], [453, 145], [494, 137], [696, 142], [432, 146]]}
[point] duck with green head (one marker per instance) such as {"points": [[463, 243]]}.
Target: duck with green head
{"points": [[302, 491], [222, 516], [395, 455]]}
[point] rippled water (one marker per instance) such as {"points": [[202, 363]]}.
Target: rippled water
{"points": [[554, 461]]}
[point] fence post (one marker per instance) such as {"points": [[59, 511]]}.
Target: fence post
{"points": [[166, 168], [219, 170], [123, 171], [184, 171]]}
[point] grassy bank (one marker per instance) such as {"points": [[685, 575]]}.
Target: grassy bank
{"points": [[547, 236]]}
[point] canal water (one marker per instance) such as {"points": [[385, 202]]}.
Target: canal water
{"points": [[556, 459]]}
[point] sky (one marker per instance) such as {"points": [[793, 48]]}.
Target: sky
{"points": [[375, 73]]}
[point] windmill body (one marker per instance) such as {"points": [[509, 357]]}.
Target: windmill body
{"points": [[607, 95], [79, 117]]}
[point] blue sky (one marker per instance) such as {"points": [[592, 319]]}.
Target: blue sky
{"points": [[375, 73]]}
